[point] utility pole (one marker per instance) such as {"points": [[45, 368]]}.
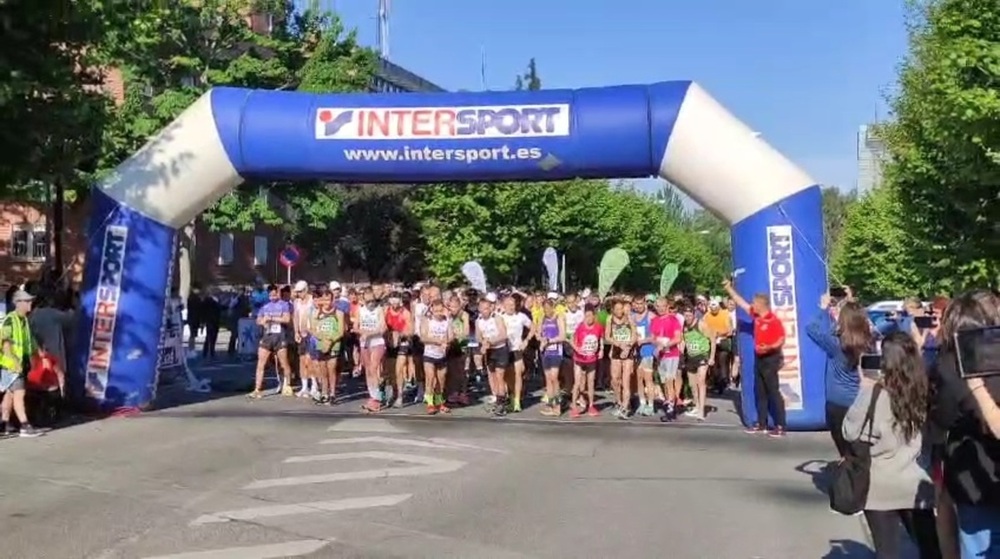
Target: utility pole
{"points": [[382, 30]]}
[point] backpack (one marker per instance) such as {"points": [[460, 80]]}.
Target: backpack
{"points": [[851, 477]]}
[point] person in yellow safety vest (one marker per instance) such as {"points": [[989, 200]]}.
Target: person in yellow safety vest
{"points": [[18, 347]]}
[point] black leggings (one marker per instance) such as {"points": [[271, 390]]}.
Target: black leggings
{"points": [[723, 364], [835, 423], [766, 389], [918, 523]]}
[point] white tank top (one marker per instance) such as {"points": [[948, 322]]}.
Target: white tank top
{"points": [[573, 319], [515, 329], [419, 316], [303, 312], [368, 323], [488, 327], [436, 328]]}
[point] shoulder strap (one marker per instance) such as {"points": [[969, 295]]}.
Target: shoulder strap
{"points": [[870, 414]]}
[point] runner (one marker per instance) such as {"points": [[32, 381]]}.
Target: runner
{"points": [[492, 336], [586, 352], [518, 326], [551, 331], [645, 386], [370, 320], [718, 321], [400, 324], [328, 327], [274, 316], [572, 316], [302, 313], [436, 333], [667, 331], [699, 355], [619, 336], [458, 353]]}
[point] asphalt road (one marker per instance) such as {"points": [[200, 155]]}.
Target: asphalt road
{"points": [[234, 479]]}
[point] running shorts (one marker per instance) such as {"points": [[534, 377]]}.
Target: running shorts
{"points": [[273, 342], [667, 368]]}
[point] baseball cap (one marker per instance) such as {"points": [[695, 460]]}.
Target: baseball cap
{"points": [[334, 285], [715, 302], [22, 296], [300, 286], [491, 297], [552, 296], [650, 298]]}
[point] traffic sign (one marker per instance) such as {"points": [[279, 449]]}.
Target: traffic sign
{"points": [[290, 256]]}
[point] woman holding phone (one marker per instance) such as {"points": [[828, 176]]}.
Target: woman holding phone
{"points": [[889, 414]]}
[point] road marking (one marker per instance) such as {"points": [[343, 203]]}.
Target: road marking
{"points": [[267, 551], [442, 444], [301, 508], [427, 466], [359, 425]]}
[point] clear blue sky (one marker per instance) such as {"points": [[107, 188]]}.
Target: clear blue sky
{"points": [[805, 73]]}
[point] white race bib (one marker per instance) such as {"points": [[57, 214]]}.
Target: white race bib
{"points": [[274, 329]]}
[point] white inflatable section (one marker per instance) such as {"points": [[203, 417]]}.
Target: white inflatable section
{"points": [[179, 172], [723, 164]]}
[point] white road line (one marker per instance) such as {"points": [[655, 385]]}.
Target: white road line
{"points": [[441, 444], [301, 508], [267, 551], [358, 425], [427, 466]]}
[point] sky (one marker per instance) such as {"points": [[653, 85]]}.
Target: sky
{"points": [[804, 73]]}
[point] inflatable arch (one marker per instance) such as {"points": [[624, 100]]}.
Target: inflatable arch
{"points": [[673, 129]]}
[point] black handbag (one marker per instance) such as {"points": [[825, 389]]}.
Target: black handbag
{"points": [[848, 490]]}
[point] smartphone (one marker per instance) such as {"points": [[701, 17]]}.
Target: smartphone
{"points": [[924, 322], [838, 292], [871, 363], [978, 352]]}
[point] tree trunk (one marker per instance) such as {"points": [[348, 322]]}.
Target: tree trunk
{"points": [[185, 260], [58, 206]]}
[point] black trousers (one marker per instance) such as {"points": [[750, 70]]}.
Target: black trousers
{"points": [[211, 337], [723, 365], [835, 423], [919, 524], [766, 391]]}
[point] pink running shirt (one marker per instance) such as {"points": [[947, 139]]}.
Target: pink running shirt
{"points": [[588, 339], [664, 328]]}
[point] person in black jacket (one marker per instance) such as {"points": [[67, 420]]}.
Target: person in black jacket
{"points": [[964, 410]]}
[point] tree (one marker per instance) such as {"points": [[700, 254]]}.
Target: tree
{"points": [[874, 254], [51, 109], [836, 205], [943, 159], [173, 53], [529, 80]]}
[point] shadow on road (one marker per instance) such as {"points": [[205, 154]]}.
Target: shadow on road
{"points": [[848, 549]]}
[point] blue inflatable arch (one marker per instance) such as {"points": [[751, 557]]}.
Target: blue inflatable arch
{"points": [[673, 129]]}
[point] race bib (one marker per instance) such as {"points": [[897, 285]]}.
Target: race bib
{"points": [[640, 331], [590, 345], [274, 329]]}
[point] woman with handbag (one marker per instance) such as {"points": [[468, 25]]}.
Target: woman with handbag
{"points": [[887, 418]]}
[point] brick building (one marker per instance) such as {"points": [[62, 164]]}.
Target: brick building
{"points": [[219, 257]]}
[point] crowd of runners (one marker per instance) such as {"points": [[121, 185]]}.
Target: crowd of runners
{"points": [[656, 355]]}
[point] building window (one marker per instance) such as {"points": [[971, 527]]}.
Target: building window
{"points": [[30, 242], [260, 250], [226, 249]]}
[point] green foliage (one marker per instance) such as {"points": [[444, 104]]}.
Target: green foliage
{"points": [[506, 227], [51, 112], [873, 253], [943, 143], [172, 52], [530, 79], [836, 206]]}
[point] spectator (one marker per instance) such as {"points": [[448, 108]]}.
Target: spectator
{"points": [[967, 411], [18, 349], [194, 316], [211, 316], [900, 489], [50, 325]]}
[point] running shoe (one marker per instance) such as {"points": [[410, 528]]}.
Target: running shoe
{"points": [[286, 390], [431, 409], [755, 430], [27, 431], [255, 395], [592, 411], [398, 403], [575, 413], [777, 433], [444, 409]]}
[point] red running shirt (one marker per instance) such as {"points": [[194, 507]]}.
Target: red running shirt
{"points": [[588, 340]]}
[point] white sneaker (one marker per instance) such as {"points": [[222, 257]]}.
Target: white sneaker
{"points": [[314, 393], [303, 393]]}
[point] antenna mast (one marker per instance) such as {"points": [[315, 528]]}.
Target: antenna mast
{"points": [[382, 36]]}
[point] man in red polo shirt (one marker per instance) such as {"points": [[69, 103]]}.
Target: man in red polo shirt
{"points": [[768, 339]]}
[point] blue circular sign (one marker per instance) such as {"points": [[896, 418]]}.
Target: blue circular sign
{"points": [[289, 256]]}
